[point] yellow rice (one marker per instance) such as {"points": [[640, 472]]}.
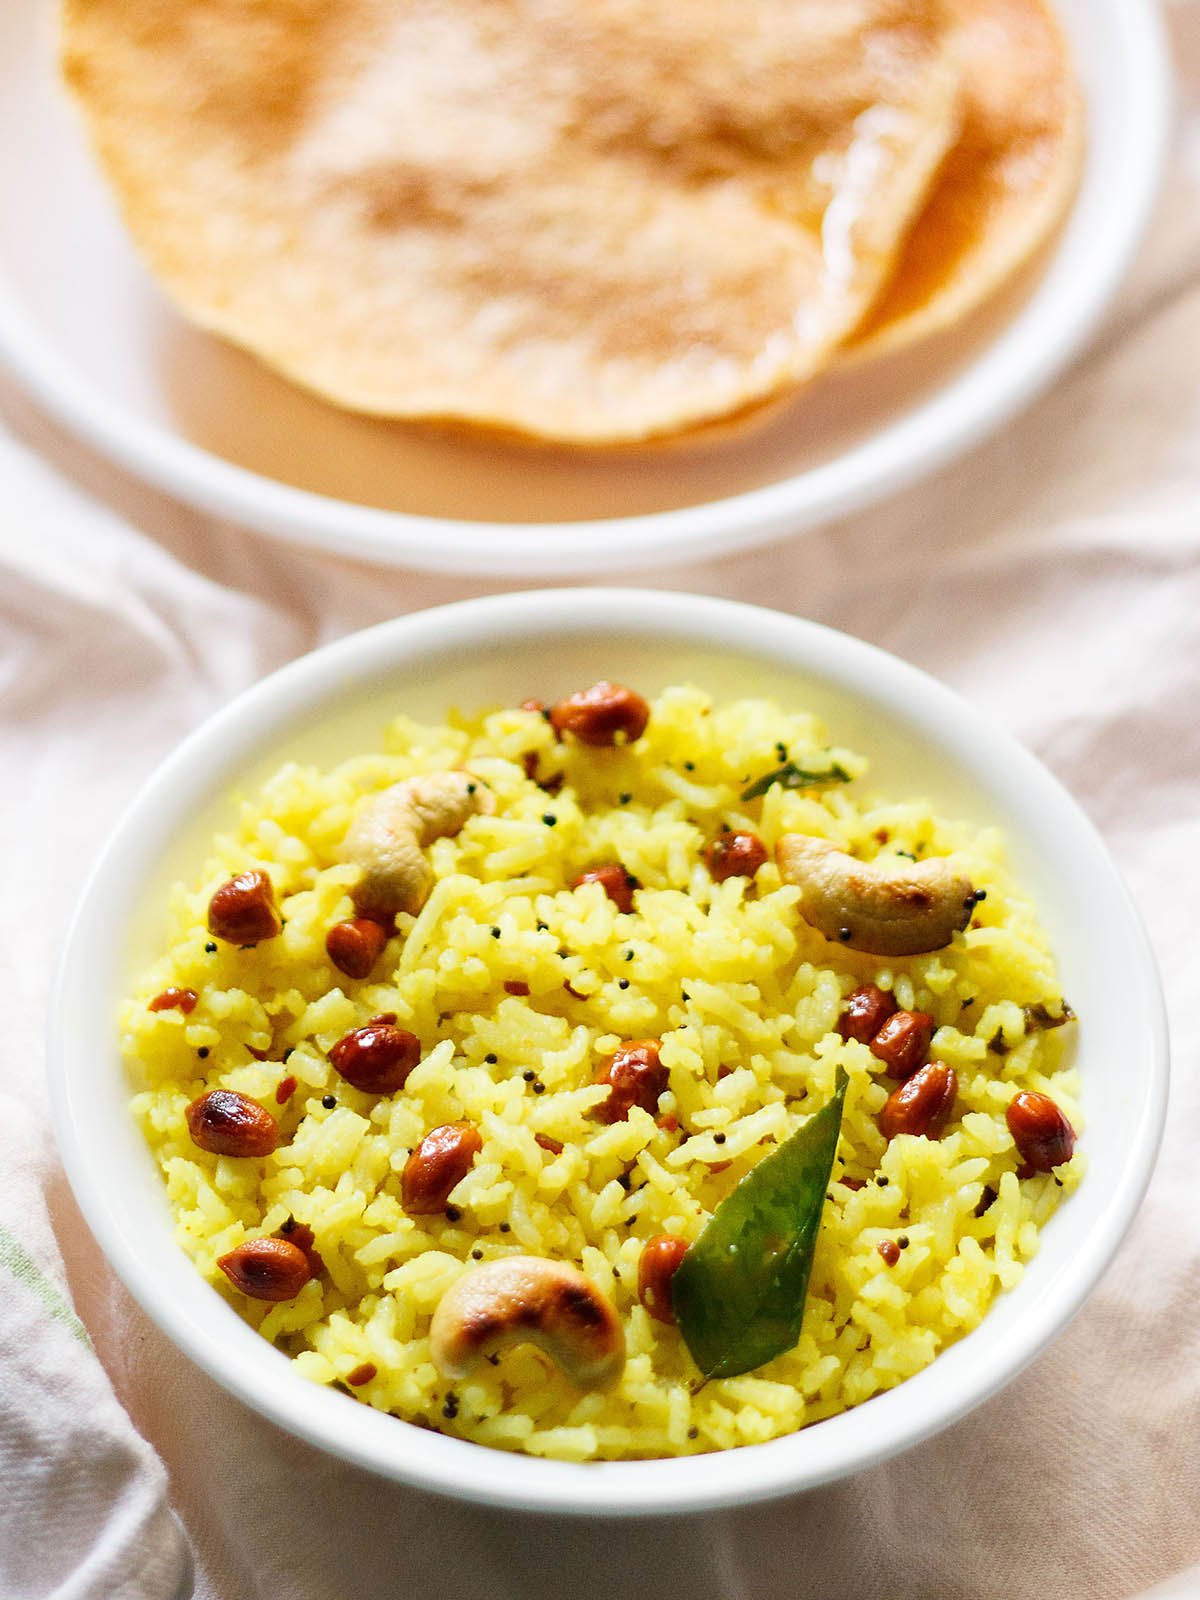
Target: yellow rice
{"points": [[727, 975]]}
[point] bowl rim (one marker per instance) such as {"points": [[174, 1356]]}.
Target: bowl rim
{"points": [[1023, 358], [242, 1362]]}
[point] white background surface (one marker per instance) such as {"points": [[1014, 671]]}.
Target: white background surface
{"points": [[1054, 577]]}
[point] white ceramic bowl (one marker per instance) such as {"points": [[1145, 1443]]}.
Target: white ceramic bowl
{"points": [[921, 739], [84, 328]]}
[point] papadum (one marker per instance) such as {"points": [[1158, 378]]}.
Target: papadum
{"points": [[589, 222], [1004, 187]]}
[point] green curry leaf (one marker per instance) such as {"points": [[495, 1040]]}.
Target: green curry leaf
{"points": [[790, 776], [739, 1292]]}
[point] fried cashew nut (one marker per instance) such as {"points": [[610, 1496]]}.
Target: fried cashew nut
{"points": [[892, 909], [529, 1300], [392, 831]]}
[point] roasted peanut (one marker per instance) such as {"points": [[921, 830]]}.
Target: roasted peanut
{"points": [[922, 1105], [599, 715], [267, 1269], [1043, 1136], [554, 1146], [635, 1076], [902, 1042], [734, 855], [889, 1250], [226, 1123], [865, 1012], [617, 884], [243, 911], [302, 1236], [356, 945], [442, 1159], [361, 1374], [517, 987], [528, 1300], [657, 1265], [173, 999], [376, 1059]]}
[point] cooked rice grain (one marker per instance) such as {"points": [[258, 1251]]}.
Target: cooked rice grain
{"points": [[726, 975]]}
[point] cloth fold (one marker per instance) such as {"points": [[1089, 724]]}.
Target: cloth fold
{"points": [[84, 1499]]}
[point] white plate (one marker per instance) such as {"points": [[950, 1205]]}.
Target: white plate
{"points": [[84, 328]]}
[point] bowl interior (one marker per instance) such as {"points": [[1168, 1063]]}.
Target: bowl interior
{"points": [[84, 325], [921, 740]]}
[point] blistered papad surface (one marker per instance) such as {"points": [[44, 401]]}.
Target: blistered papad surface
{"points": [[1008, 181], [591, 222]]}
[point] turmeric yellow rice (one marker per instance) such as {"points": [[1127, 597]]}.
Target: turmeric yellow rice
{"points": [[519, 987]]}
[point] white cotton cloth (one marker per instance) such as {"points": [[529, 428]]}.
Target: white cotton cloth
{"points": [[1053, 577], [83, 1499]]}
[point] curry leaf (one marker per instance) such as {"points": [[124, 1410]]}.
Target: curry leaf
{"points": [[790, 776], [739, 1292]]}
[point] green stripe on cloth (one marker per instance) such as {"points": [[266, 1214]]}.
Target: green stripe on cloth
{"points": [[25, 1270]]}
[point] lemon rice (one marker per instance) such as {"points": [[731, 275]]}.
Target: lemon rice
{"points": [[518, 987]]}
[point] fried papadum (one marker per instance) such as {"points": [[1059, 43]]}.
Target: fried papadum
{"points": [[591, 223], [1004, 187]]}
